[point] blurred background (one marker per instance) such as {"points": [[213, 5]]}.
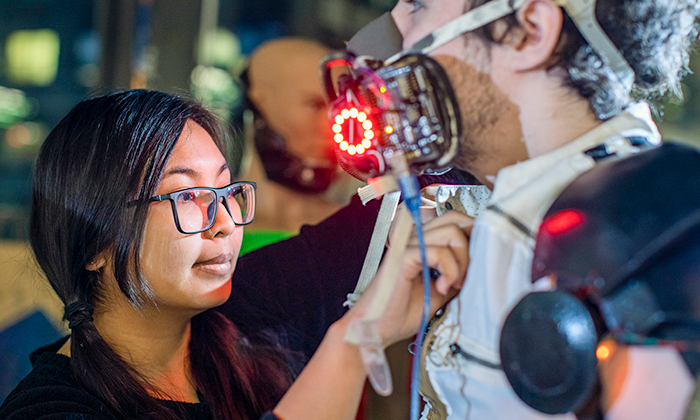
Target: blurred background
{"points": [[53, 53]]}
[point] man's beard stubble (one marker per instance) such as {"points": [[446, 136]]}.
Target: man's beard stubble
{"points": [[482, 106]]}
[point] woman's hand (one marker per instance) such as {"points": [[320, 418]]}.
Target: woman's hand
{"points": [[447, 251]]}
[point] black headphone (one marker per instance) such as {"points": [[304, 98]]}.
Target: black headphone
{"points": [[622, 243]]}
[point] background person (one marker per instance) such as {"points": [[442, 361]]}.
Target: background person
{"points": [[289, 143]]}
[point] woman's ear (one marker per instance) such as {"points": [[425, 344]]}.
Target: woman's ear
{"points": [[540, 23], [97, 263]]}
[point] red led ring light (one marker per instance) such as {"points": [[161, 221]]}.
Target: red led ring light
{"points": [[349, 124]]}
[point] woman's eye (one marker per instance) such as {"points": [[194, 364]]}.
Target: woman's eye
{"points": [[233, 191], [187, 196]]}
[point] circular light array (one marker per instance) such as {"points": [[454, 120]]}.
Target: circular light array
{"points": [[362, 125]]}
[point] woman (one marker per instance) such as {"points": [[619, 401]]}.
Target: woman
{"points": [[137, 226]]}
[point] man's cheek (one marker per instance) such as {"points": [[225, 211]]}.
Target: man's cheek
{"points": [[476, 93]]}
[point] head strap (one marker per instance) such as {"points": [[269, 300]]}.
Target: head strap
{"points": [[582, 12]]}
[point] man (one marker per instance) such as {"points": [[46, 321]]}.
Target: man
{"points": [[539, 106], [289, 142]]}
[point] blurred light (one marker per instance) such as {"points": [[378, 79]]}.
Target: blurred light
{"points": [[22, 135], [345, 113], [220, 48], [337, 128], [351, 149], [339, 119], [563, 221], [344, 145], [389, 129], [361, 117], [18, 136], [359, 149], [88, 75], [369, 134], [14, 107], [366, 143], [338, 138], [603, 351], [354, 113], [367, 125], [31, 57], [216, 88]]}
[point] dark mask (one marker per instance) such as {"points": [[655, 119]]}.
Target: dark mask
{"points": [[286, 169]]}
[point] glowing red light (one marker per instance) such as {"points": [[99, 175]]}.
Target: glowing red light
{"points": [[563, 221], [338, 62], [353, 130]]}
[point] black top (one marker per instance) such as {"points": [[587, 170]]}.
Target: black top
{"points": [[291, 291], [51, 392]]}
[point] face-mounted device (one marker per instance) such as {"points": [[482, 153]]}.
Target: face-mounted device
{"points": [[384, 103], [622, 243], [379, 109]]}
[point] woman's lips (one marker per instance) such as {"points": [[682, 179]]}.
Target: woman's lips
{"points": [[219, 265]]}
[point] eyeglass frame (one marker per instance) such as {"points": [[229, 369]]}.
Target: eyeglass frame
{"points": [[220, 193]]}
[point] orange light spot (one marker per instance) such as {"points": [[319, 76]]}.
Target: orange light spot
{"points": [[389, 129], [603, 351]]}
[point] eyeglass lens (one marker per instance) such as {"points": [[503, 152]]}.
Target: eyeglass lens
{"points": [[197, 208]]}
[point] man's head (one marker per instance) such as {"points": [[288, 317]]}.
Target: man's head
{"points": [[290, 129], [505, 70], [285, 89]]}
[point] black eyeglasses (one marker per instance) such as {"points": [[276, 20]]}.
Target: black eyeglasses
{"points": [[195, 209]]}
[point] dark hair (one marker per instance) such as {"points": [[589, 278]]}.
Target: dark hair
{"points": [[654, 36], [107, 152]]}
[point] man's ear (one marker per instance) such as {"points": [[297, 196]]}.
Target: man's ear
{"points": [[258, 95], [540, 24]]}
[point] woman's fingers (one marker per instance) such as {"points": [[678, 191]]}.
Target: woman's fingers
{"points": [[442, 230], [447, 252], [451, 217], [449, 266]]}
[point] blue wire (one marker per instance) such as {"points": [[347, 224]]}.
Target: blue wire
{"points": [[411, 193]]}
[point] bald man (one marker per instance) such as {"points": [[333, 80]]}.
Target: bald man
{"points": [[289, 142]]}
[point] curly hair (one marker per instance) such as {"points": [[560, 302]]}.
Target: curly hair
{"points": [[654, 36]]}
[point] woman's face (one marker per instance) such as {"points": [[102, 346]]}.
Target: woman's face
{"points": [[190, 273]]}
